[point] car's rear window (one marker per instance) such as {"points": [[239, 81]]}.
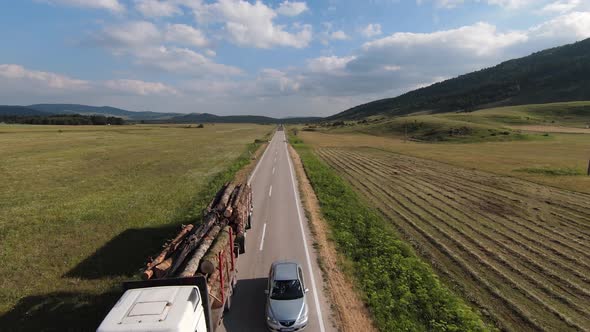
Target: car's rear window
{"points": [[286, 290]]}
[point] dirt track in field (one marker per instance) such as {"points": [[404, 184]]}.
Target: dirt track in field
{"points": [[518, 250]]}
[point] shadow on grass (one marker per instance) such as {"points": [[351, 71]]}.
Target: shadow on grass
{"points": [[125, 254], [62, 311], [247, 308]]}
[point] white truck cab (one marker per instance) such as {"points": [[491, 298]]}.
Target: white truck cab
{"points": [[158, 309]]}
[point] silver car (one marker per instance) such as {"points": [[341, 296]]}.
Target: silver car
{"points": [[286, 305]]}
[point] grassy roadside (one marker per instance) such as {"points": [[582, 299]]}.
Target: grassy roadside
{"points": [[402, 292]]}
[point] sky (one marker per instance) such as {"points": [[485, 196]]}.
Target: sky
{"points": [[277, 58]]}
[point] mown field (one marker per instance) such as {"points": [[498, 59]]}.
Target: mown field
{"points": [[516, 249], [521, 159], [82, 207], [400, 290]]}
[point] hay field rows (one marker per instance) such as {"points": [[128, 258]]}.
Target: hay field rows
{"points": [[520, 251]]}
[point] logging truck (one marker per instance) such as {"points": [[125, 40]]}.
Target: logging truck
{"points": [[189, 285]]}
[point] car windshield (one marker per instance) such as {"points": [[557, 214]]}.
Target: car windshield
{"points": [[286, 290]]}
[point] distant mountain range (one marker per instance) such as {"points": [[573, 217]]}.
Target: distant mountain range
{"points": [[552, 75], [206, 117], [147, 117], [101, 110]]}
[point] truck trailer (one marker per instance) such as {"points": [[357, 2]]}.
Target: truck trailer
{"points": [[189, 285]]}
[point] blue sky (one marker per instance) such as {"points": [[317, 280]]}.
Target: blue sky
{"points": [[278, 58]]}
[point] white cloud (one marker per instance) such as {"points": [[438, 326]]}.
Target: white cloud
{"points": [[157, 8], [275, 82], [288, 8], [129, 35], [182, 61], [480, 39], [251, 24], [449, 3], [391, 68], [111, 5], [563, 6], [42, 78], [338, 35], [327, 64], [508, 4], [18, 80], [371, 30], [186, 35], [141, 88], [568, 27], [145, 43], [511, 4]]}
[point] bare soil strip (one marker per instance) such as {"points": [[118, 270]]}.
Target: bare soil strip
{"points": [[352, 314], [518, 250]]}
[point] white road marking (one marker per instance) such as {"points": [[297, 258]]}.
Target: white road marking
{"points": [[275, 159], [270, 191], [259, 162], [273, 170], [262, 239], [313, 286]]}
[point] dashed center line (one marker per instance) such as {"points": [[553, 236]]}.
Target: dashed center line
{"points": [[270, 191], [262, 239], [273, 170]]}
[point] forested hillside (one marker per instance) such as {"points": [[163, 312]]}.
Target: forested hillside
{"points": [[552, 75]]}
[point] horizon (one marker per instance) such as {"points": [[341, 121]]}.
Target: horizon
{"points": [[278, 59]]}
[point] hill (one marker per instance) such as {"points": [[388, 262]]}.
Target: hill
{"points": [[506, 123], [552, 75], [20, 111], [100, 110]]}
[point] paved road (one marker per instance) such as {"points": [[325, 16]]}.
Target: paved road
{"points": [[279, 231]]}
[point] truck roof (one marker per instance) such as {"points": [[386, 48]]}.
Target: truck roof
{"points": [[158, 309]]}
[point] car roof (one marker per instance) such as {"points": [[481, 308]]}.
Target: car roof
{"points": [[285, 270]]}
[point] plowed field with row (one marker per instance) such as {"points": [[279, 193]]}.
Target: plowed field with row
{"points": [[519, 251]]}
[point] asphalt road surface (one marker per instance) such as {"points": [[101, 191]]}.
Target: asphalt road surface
{"points": [[279, 231]]}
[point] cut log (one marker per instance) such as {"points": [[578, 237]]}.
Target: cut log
{"points": [[161, 269], [211, 259], [193, 264], [228, 211], [192, 242], [239, 196], [215, 199], [222, 204], [168, 249]]}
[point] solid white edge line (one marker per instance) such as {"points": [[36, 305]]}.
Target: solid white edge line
{"points": [[260, 161], [313, 286], [262, 239], [270, 191]]}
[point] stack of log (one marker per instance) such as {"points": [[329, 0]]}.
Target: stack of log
{"points": [[197, 247]]}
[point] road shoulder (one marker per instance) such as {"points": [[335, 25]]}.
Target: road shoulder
{"points": [[349, 310]]}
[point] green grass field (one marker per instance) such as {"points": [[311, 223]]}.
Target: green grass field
{"points": [[81, 208]]}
